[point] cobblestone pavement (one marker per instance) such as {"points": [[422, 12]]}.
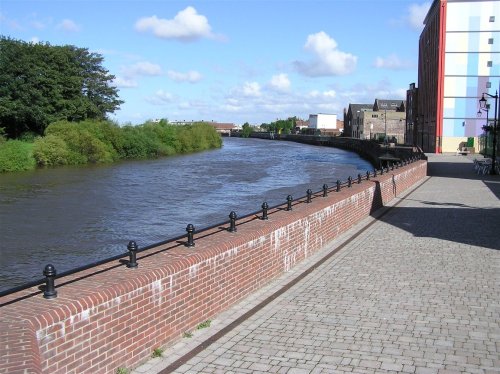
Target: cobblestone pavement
{"points": [[415, 290]]}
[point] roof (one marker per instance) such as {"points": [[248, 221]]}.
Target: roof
{"points": [[354, 108], [221, 126], [396, 105]]}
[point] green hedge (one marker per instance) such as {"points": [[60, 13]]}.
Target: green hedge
{"points": [[72, 143]]}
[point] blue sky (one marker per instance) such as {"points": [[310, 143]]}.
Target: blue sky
{"points": [[235, 61]]}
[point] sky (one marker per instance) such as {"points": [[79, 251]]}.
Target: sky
{"points": [[236, 61]]}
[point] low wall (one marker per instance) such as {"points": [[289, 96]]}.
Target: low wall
{"points": [[112, 316]]}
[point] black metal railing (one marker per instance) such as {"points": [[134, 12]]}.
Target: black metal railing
{"points": [[47, 284]]}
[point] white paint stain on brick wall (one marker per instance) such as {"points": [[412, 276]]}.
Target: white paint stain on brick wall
{"points": [[156, 289]]}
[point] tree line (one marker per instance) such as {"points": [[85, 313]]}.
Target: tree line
{"points": [[74, 143]]}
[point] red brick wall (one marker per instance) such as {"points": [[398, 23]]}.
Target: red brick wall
{"points": [[113, 316]]}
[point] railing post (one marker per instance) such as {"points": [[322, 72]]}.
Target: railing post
{"points": [[374, 172], [359, 178], [264, 207], [190, 232], [338, 185], [367, 175], [382, 170], [349, 182], [50, 274], [132, 252], [325, 190], [232, 222], [309, 195], [289, 200]]}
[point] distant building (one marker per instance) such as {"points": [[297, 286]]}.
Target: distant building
{"points": [[323, 121], [380, 120], [459, 59], [223, 128]]}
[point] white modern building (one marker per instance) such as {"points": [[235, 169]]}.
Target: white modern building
{"points": [[323, 121]]}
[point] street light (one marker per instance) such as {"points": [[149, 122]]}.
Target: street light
{"points": [[483, 105]]}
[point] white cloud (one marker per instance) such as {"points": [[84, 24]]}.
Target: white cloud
{"points": [[143, 68], [187, 25], [191, 76], [392, 62], [328, 60], [250, 89], [280, 82], [416, 15], [124, 82], [68, 25], [35, 40], [161, 98], [10, 23]]}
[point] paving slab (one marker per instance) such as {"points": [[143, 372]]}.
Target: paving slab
{"points": [[414, 289]]}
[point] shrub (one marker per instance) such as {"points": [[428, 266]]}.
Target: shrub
{"points": [[16, 155], [82, 145], [50, 151]]}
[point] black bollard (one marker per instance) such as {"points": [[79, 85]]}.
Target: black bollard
{"points": [[338, 185], [50, 274], [264, 207], [190, 232], [349, 182], [374, 172], [232, 222], [359, 178], [289, 200], [367, 175], [382, 170], [132, 252], [325, 190], [309, 195]]}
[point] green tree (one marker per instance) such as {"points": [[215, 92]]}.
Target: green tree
{"points": [[246, 130], [41, 84]]}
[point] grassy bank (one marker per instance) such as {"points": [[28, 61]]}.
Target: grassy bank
{"points": [[70, 143]]}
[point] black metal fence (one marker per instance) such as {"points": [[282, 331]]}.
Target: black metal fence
{"points": [[129, 259]]}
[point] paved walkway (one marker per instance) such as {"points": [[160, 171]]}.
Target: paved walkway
{"points": [[416, 290]]}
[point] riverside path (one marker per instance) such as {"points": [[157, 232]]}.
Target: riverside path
{"points": [[415, 289]]}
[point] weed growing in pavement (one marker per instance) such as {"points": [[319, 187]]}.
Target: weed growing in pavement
{"points": [[187, 334], [204, 325], [158, 352], [122, 371]]}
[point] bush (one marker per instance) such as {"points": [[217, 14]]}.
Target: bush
{"points": [[51, 151], [83, 146], [16, 155]]}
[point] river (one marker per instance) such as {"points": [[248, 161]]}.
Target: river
{"points": [[71, 216]]}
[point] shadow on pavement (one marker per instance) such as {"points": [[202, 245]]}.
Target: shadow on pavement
{"points": [[471, 226], [463, 170]]}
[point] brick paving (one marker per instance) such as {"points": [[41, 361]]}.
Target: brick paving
{"points": [[414, 290]]}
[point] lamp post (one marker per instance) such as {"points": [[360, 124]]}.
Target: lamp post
{"points": [[385, 126], [483, 105], [479, 114]]}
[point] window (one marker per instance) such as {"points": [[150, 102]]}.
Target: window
{"points": [[374, 115], [490, 41], [488, 84], [492, 18], [490, 64]]}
